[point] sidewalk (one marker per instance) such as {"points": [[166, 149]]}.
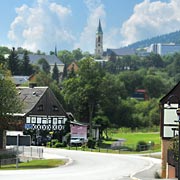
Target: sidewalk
{"points": [[149, 174]]}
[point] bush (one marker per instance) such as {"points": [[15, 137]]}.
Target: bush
{"points": [[142, 146], [91, 143], [58, 145]]}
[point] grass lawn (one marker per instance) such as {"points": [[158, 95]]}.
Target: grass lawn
{"points": [[35, 164], [132, 138]]}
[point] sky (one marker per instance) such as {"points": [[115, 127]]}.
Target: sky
{"points": [[71, 24]]}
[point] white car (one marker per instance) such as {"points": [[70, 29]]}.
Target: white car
{"points": [[77, 141]]}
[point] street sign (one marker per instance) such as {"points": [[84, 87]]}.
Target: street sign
{"points": [[28, 126]]}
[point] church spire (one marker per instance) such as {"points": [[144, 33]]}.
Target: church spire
{"points": [[99, 29], [99, 41], [55, 52]]}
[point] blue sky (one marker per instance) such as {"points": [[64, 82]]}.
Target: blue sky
{"points": [[70, 24]]}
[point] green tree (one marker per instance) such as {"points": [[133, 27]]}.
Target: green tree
{"points": [[55, 74], [45, 65], [103, 123], [10, 103], [77, 54], [154, 85], [4, 50], [66, 57], [43, 79], [83, 91], [26, 66], [13, 62]]}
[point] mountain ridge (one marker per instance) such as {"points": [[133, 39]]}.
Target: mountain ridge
{"points": [[173, 37]]}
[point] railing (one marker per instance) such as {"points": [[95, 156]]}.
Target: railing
{"points": [[21, 153], [7, 161], [31, 152]]}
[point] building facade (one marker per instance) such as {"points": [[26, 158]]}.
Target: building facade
{"points": [[164, 49], [169, 132]]}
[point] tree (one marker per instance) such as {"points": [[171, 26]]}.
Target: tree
{"points": [[65, 56], [10, 103], [55, 74], [13, 62], [43, 79], [77, 54], [103, 123], [45, 65], [154, 85], [83, 92], [26, 66]]}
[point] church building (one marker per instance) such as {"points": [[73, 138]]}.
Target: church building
{"points": [[99, 41]]}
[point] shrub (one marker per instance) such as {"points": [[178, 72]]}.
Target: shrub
{"points": [[91, 143], [58, 145], [142, 146]]}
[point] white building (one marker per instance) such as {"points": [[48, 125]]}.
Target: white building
{"points": [[164, 49]]}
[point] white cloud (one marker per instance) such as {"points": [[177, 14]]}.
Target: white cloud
{"points": [[41, 26], [150, 19], [87, 37]]}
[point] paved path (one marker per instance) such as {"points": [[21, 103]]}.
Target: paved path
{"points": [[85, 166]]}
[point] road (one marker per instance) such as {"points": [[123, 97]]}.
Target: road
{"points": [[84, 166]]}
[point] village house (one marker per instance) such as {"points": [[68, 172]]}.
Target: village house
{"points": [[169, 127]]}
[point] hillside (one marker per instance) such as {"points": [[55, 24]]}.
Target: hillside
{"points": [[173, 37]]}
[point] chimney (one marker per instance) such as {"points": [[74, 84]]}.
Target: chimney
{"points": [[32, 85]]}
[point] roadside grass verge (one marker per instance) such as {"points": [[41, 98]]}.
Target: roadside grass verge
{"points": [[35, 164], [131, 139], [129, 146]]}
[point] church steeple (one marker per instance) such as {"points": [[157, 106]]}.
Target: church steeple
{"points": [[99, 29], [99, 41]]}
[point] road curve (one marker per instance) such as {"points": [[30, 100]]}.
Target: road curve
{"points": [[84, 166]]}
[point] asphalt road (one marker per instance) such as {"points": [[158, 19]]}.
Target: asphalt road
{"points": [[84, 166]]}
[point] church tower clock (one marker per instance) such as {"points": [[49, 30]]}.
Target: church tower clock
{"points": [[99, 41]]}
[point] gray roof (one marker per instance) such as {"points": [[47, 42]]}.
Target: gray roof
{"points": [[30, 96], [20, 79], [121, 51], [34, 58]]}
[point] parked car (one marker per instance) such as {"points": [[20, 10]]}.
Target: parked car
{"points": [[77, 141]]}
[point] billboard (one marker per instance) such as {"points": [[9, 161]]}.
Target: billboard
{"points": [[79, 131]]}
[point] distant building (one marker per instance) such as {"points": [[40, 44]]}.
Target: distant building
{"points": [[51, 59], [120, 52], [73, 67], [164, 49], [99, 41], [140, 94], [19, 80]]}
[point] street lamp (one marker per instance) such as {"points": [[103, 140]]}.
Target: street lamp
{"points": [[178, 113]]}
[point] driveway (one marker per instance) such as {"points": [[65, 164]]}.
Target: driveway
{"points": [[84, 166]]}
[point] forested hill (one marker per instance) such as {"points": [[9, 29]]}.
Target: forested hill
{"points": [[173, 37]]}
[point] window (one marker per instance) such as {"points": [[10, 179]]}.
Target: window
{"points": [[55, 108], [40, 108]]}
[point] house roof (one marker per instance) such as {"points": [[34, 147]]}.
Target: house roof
{"points": [[34, 58], [173, 95], [20, 79], [121, 51], [30, 97]]}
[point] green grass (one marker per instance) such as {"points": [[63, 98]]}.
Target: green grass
{"points": [[132, 138], [35, 164]]}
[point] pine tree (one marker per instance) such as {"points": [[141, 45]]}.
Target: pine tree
{"points": [[13, 64], [26, 66], [55, 74]]}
